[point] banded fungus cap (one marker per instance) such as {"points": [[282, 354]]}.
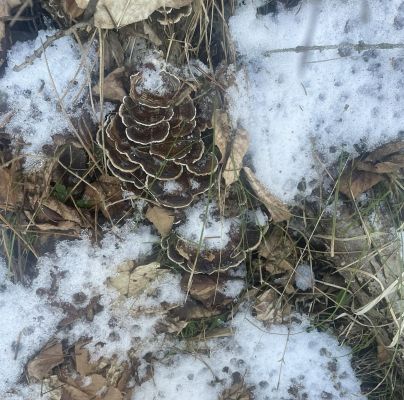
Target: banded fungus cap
{"points": [[208, 243], [154, 143]]}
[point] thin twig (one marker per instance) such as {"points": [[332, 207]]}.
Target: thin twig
{"points": [[38, 52], [359, 47]]}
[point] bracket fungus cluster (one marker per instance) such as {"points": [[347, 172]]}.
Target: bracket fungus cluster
{"points": [[206, 242], [154, 144]]}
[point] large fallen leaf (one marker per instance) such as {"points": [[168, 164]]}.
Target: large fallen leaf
{"points": [[365, 172], [113, 14], [49, 357], [276, 208], [234, 163], [161, 218]]}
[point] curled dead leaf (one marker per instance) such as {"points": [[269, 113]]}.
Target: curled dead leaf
{"points": [[48, 358], [234, 163], [366, 172], [276, 208], [161, 218]]}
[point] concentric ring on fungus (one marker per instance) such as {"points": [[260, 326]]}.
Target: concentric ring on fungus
{"points": [[237, 237], [155, 142]]}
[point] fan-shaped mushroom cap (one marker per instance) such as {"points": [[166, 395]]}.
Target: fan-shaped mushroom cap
{"points": [[206, 242], [153, 142]]}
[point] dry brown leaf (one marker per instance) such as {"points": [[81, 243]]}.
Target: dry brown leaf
{"points": [[106, 193], [234, 163], [113, 14], [72, 8], [271, 309], [193, 310], [92, 386], [203, 288], [113, 86], [384, 151], [55, 211], [238, 391], [276, 208], [222, 128], [49, 357], [72, 393], [353, 185], [82, 359], [161, 218], [112, 394], [374, 168], [62, 226], [138, 281]]}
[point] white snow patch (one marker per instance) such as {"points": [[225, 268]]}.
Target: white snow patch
{"points": [[32, 94], [304, 277], [171, 186], [203, 219], [27, 323], [298, 360], [303, 110], [152, 82], [29, 320], [232, 288]]}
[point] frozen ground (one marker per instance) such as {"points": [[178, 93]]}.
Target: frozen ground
{"points": [[271, 363], [284, 362], [303, 110]]}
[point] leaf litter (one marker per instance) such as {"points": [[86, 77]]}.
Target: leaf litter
{"points": [[101, 320]]}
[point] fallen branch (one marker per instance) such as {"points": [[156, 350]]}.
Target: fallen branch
{"points": [[359, 47]]}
